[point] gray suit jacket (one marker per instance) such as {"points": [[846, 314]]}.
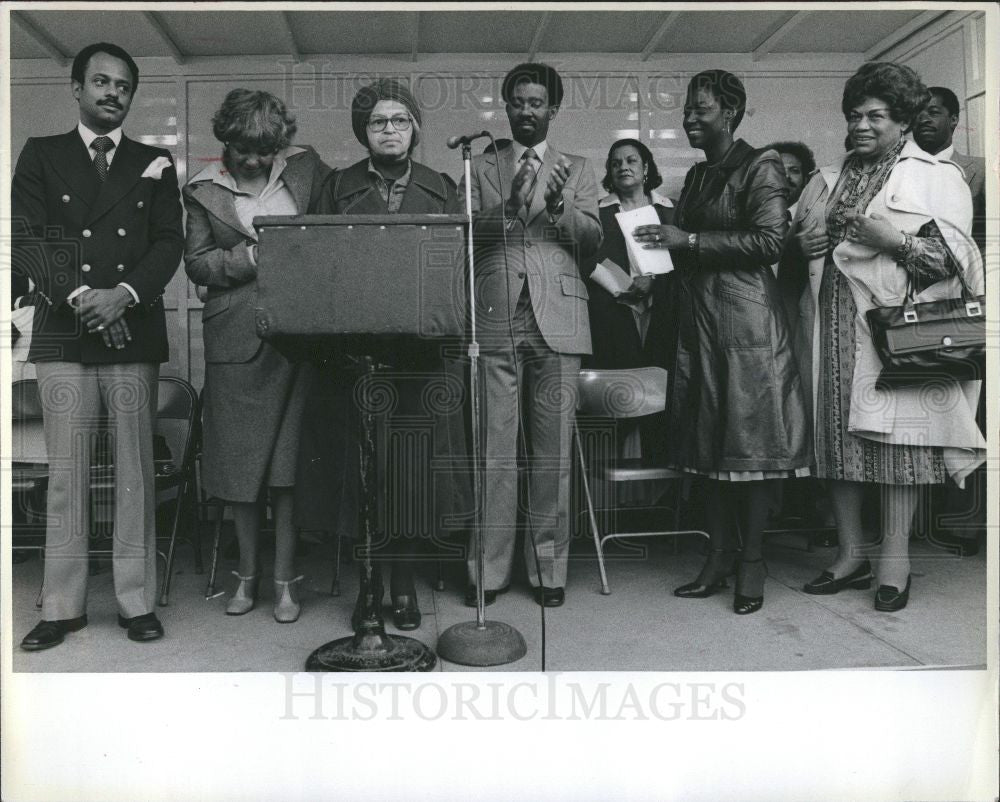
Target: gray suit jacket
{"points": [[217, 254], [547, 256], [974, 168]]}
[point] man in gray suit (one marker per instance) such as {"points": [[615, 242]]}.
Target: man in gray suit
{"points": [[934, 131], [961, 514], [534, 220]]}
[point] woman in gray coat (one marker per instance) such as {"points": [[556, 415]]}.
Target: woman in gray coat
{"points": [[253, 396]]}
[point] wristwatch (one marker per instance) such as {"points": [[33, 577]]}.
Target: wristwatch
{"points": [[692, 242]]}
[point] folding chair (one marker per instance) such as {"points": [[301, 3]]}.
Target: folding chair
{"points": [[621, 394], [29, 469]]}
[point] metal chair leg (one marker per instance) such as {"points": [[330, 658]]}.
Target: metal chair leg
{"points": [[605, 590], [221, 512], [439, 584], [335, 586], [178, 510], [199, 564]]}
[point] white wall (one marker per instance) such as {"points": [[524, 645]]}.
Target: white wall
{"points": [[794, 98]]}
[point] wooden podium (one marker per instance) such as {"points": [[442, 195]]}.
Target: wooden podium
{"points": [[369, 287]]}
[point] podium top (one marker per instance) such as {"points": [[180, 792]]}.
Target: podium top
{"points": [[361, 220]]}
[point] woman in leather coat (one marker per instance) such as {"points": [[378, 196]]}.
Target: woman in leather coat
{"points": [[737, 409]]}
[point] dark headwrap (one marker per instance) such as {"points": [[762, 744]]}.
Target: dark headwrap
{"points": [[367, 98]]}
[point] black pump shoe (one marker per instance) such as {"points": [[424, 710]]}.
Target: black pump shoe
{"points": [[826, 584], [889, 599], [749, 574], [405, 612], [712, 577]]}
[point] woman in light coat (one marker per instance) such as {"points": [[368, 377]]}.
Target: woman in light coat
{"points": [[883, 216], [253, 396]]}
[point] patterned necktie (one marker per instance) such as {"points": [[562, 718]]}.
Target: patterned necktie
{"points": [[102, 145], [531, 158]]}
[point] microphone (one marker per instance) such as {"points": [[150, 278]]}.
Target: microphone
{"points": [[455, 141]]}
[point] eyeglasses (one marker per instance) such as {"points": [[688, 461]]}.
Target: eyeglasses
{"points": [[399, 123], [874, 116]]}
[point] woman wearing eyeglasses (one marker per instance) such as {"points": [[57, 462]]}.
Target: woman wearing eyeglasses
{"points": [[883, 218], [253, 396], [386, 121]]}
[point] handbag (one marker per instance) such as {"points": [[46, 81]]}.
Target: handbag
{"points": [[931, 342]]}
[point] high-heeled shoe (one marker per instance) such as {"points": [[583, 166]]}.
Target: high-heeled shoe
{"points": [[826, 584], [286, 602], [245, 597], [889, 599], [749, 580], [720, 565]]}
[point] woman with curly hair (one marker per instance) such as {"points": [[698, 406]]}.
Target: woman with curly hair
{"points": [[253, 396], [884, 219]]}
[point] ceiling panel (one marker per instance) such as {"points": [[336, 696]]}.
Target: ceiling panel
{"points": [[477, 31], [22, 44], [235, 33], [721, 31], [825, 31], [226, 33], [74, 30], [375, 32], [600, 32]]}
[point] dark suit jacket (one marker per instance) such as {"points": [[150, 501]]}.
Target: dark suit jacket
{"points": [[350, 191], [975, 176], [217, 254], [70, 230]]}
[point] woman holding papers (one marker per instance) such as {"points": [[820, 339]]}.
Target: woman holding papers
{"points": [[632, 319], [737, 406]]}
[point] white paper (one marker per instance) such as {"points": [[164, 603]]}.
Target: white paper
{"points": [[645, 261], [611, 277]]}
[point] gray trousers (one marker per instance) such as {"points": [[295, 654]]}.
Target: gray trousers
{"points": [[72, 397], [545, 406]]}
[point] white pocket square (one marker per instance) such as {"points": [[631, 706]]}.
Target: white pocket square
{"points": [[156, 168]]}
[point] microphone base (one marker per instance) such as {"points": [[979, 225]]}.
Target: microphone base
{"points": [[495, 644]]}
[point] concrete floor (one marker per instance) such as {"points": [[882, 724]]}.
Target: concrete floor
{"points": [[641, 626]]}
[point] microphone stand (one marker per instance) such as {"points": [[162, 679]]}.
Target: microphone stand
{"points": [[479, 642]]}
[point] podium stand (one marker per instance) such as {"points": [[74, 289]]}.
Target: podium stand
{"points": [[370, 287]]}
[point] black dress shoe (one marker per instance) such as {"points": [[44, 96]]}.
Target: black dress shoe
{"points": [[550, 597], [405, 612], [720, 565], [889, 599], [489, 596], [749, 595], [826, 584], [142, 628], [965, 546], [47, 634]]}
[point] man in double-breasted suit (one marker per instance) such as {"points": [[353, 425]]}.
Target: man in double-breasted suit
{"points": [[97, 230], [534, 220]]}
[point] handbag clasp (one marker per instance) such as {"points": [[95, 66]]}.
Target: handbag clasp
{"points": [[973, 309], [910, 315]]}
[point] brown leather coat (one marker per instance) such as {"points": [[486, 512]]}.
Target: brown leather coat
{"points": [[737, 400]]}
